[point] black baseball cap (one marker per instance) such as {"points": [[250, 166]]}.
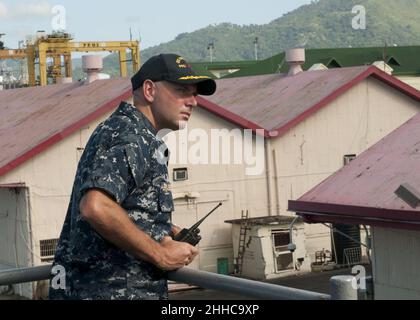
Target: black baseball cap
{"points": [[172, 68]]}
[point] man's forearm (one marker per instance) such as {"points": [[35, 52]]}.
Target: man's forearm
{"points": [[112, 222]]}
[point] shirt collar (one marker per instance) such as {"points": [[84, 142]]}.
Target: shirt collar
{"points": [[138, 117]]}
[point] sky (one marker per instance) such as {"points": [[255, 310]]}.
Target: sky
{"points": [[154, 22]]}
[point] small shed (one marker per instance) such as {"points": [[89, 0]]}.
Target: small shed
{"points": [[265, 246]]}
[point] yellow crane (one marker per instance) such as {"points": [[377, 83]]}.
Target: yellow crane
{"points": [[59, 46], [12, 54]]}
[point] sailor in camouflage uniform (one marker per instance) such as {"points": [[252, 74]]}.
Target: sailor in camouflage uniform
{"points": [[115, 240]]}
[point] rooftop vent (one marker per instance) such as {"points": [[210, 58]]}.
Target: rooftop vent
{"points": [[318, 67], [383, 66], [409, 195], [295, 58], [92, 65]]}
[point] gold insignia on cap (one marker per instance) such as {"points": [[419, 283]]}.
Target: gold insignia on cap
{"points": [[194, 77], [180, 61]]}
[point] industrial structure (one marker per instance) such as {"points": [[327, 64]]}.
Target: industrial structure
{"points": [[57, 47], [7, 79]]}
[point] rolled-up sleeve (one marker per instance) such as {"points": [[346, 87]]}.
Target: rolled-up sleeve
{"points": [[115, 171]]}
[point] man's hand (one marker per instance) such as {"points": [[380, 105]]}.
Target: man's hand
{"points": [[175, 255], [175, 230]]}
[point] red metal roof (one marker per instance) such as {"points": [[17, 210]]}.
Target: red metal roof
{"points": [[32, 119], [278, 102], [363, 192]]}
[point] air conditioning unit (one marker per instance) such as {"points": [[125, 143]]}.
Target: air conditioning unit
{"points": [[48, 248], [180, 174]]}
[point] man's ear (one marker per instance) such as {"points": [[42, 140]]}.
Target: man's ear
{"points": [[149, 90]]}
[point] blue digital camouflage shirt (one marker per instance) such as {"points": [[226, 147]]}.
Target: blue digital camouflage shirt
{"points": [[124, 158]]}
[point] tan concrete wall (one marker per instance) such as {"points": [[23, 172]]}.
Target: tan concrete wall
{"points": [[315, 148], [396, 262]]}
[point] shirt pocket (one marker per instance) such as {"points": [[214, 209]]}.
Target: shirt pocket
{"points": [[166, 202], [137, 164]]}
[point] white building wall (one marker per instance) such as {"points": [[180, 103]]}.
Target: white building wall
{"points": [[49, 177], [314, 149], [396, 263]]}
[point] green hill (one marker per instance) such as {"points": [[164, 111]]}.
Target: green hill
{"points": [[321, 24]]}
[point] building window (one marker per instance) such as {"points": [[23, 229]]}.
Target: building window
{"points": [[181, 174], [349, 158], [48, 249]]}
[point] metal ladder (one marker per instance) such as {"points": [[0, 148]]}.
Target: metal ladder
{"points": [[242, 238]]}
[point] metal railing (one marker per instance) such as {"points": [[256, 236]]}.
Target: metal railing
{"points": [[341, 286]]}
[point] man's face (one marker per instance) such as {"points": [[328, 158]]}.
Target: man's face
{"points": [[173, 104]]}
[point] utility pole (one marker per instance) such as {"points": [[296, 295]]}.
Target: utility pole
{"points": [[385, 53], [210, 47], [256, 48]]}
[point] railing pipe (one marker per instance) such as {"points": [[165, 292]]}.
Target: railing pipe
{"points": [[203, 279]]}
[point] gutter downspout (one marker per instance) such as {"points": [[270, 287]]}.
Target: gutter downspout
{"points": [[267, 145], [276, 182], [30, 229]]}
